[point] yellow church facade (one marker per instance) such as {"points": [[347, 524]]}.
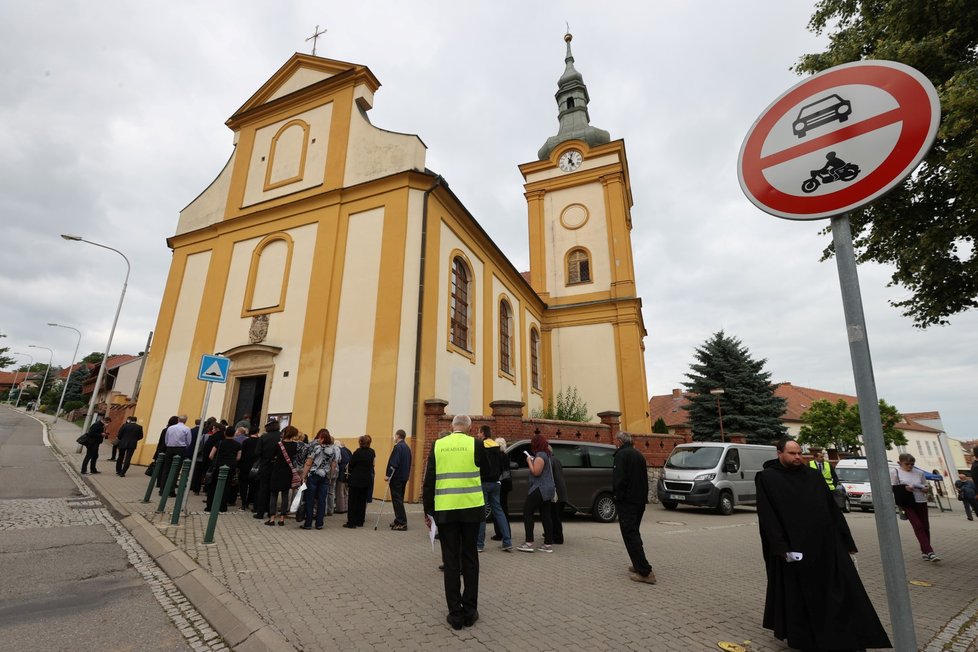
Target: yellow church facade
{"points": [[348, 284]]}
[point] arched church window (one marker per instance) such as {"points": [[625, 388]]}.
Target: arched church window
{"points": [[505, 337], [578, 267], [535, 358], [268, 275], [570, 102], [460, 301]]}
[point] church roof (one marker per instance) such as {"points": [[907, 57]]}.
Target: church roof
{"points": [[572, 100]]}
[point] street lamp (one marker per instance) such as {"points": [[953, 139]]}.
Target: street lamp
{"points": [[718, 391], [70, 368], [27, 374], [40, 392], [108, 345], [17, 371]]}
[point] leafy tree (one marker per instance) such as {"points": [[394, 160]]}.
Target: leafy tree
{"points": [[5, 360], [926, 227], [93, 358], [836, 425], [660, 427], [748, 402], [569, 407]]}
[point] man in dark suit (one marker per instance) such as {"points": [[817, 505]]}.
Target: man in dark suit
{"points": [[130, 433]]}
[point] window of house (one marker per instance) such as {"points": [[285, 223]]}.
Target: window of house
{"points": [[534, 358], [461, 278], [578, 267], [920, 449], [505, 335]]}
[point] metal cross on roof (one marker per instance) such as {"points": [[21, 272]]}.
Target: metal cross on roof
{"points": [[314, 38]]}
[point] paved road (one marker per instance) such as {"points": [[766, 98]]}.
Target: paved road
{"points": [[73, 578]]}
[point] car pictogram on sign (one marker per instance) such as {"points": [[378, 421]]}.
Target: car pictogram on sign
{"points": [[821, 112]]}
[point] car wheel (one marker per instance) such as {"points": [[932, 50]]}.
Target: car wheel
{"points": [[846, 506], [671, 506], [865, 509], [604, 509], [725, 505]]}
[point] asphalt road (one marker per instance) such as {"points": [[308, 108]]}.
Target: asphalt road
{"points": [[68, 580]]}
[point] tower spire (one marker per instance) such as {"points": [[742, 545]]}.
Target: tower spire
{"points": [[572, 100]]}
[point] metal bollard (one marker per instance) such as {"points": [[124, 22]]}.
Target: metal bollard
{"points": [[222, 479], [168, 485], [181, 488], [152, 480]]}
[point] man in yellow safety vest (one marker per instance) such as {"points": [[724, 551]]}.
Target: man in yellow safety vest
{"points": [[820, 464], [453, 497]]}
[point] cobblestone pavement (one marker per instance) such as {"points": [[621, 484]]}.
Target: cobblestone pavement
{"points": [[87, 509], [365, 590]]}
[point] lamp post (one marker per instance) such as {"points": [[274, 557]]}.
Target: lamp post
{"points": [[17, 371], [40, 392], [108, 345], [27, 374], [718, 391], [71, 367]]}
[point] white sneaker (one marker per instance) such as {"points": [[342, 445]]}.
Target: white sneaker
{"points": [[526, 547], [546, 548], [933, 557]]}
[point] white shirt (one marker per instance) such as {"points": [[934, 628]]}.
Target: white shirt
{"points": [[914, 478]]}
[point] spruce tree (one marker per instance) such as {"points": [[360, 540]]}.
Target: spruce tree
{"points": [[660, 427], [748, 403]]}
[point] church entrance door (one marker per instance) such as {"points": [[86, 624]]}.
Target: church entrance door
{"points": [[250, 394]]}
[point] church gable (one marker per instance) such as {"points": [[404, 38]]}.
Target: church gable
{"points": [[300, 72]]}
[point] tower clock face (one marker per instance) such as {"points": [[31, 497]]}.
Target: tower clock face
{"points": [[570, 160]]}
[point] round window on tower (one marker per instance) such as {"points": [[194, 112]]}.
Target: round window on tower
{"points": [[574, 216]]}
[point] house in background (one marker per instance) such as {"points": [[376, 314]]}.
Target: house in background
{"points": [[926, 439]]}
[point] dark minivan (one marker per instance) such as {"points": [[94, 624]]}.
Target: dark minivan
{"points": [[587, 473]]}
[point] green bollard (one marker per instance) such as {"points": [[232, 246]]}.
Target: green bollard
{"points": [[181, 488], [152, 480], [222, 479], [168, 485]]}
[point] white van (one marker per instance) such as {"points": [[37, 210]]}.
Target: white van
{"points": [[854, 477], [712, 474]]}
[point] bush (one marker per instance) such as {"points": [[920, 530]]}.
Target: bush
{"points": [[569, 407], [70, 406]]}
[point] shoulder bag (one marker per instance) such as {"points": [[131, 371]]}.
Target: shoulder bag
{"points": [[296, 478]]}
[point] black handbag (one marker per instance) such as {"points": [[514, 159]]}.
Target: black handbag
{"points": [[150, 468], [83, 440], [253, 472], [902, 497]]}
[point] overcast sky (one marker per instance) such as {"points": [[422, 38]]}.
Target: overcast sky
{"points": [[112, 120]]}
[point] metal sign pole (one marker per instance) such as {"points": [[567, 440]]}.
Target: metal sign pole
{"points": [[200, 437], [894, 572]]}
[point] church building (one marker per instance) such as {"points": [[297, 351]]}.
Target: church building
{"points": [[347, 283]]}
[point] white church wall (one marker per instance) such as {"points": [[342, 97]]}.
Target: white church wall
{"points": [[458, 378], [584, 357], [356, 319], [173, 372], [506, 387], [592, 235], [373, 153], [208, 208], [534, 398], [289, 153], [301, 78]]}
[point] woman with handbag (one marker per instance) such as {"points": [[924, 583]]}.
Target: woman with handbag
{"points": [[225, 452], [540, 493], [248, 481], [361, 471], [910, 493], [283, 475]]}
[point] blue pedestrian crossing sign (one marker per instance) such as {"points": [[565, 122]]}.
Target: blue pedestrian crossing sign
{"points": [[214, 368]]}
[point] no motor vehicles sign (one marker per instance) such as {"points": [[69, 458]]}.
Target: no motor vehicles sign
{"points": [[839, 140]]}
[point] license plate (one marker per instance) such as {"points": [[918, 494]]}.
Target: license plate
{"points": [[677, 497]]}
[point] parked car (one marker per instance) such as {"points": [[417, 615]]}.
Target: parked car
{"points": [[587, 473], [712, 474]]}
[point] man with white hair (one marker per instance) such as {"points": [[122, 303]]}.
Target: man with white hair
{"points": [[177, 439], [453, 494]]}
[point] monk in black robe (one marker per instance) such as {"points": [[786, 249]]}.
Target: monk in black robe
{"points": [[815, 599]]}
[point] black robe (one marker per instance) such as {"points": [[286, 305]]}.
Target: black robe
{"points": [[818, 603]]}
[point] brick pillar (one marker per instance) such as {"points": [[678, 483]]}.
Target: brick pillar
{"points": [[611, 419], [738, 439], [508, 417]]}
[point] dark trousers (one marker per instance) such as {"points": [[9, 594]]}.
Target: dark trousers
{"points": [[246, 484], [200, 468], [211, 488], [123, 460], [919, 521], [115, 450], [397, 501], [557, 521], [630, 520], [317, 492], [533, 503], [279, 499], [171, 452], [91, 454], [458, 551], [358, 505], [264, 486]]}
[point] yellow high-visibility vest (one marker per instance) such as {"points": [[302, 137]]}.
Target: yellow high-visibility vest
{"points": [[826, 472], [458, 484]]}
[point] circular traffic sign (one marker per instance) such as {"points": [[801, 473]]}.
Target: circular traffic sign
{"points": [[838, 140]]}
